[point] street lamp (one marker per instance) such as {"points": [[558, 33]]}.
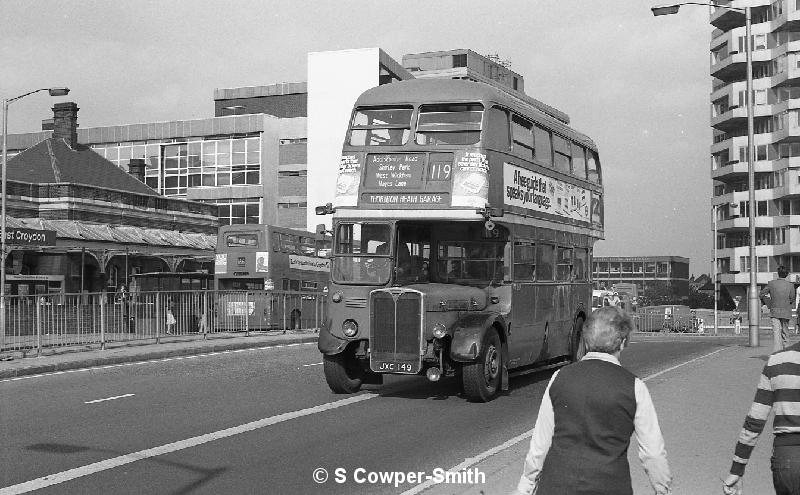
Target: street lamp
{"points": [[753, 303], [6, 102]]}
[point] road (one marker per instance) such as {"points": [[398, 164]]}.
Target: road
{"points": [[258, 421]]}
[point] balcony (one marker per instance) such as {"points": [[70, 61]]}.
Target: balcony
{"points": [[734, 118], [726, 19]]}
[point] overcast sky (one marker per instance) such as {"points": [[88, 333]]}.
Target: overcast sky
{"points": [[637, 84]]}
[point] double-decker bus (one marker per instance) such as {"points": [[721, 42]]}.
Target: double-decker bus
{"points": [[268, 277], [464, 221]]}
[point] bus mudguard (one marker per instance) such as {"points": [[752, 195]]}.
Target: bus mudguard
{"points": [[469, 332], [330, 344]]}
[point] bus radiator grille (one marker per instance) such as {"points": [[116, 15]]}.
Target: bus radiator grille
{"points": [[395, 328]]}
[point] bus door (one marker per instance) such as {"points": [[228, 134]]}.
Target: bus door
{"points": [[524, 341]]}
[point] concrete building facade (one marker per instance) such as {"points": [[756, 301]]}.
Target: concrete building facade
{"points": [[776, 98]]}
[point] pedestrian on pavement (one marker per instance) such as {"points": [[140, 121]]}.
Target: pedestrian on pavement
{"points": [[779, 295], [779, 390], [170, 316], [588, 413]]}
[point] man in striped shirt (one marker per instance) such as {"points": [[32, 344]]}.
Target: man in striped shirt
{"points": [[778, 389]]}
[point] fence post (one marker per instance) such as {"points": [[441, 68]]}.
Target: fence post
{"points": [[102, 320], [38, 327], [284, 312], [247, 313], [158, 317]]}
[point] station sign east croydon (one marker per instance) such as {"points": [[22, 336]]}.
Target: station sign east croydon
{"points": [[30, 237]]}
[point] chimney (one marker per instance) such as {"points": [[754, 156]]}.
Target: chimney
{"points": [[136, 168], [65, 122]]}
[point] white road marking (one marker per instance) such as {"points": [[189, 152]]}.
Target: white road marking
{"points": [[109, 398], [471, 461], [79, 472], [312, 364], [150, 361]]}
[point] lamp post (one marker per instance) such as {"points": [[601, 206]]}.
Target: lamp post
{"points": [[6, 102], [753, 303]]}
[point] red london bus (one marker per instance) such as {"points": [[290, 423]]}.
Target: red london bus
{"points": [[269, 277], [464, 220]]}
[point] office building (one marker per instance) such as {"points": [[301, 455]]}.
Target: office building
{"points": [[647, 272]]}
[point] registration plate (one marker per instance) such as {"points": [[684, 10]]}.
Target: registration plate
{"points": [[394, 367]]}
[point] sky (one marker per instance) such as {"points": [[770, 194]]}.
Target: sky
{"points": [[638, 85]]}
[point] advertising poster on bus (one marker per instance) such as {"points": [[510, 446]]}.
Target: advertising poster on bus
{"points": [[221, 263], [262, 261], [470, 180], [527, 189], [299, 262], [347, 181]]}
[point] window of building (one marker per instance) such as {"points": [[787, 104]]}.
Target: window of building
{"points": [[239, 211], [460, 60], [650, 267]]}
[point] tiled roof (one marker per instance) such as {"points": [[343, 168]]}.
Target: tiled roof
{"points": [[71, 229], [53, 161]]}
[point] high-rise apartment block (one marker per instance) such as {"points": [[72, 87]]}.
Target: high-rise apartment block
{"points": [[776, 106]]}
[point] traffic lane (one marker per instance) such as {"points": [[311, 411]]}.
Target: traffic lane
{"points": [[47, 427], [672, 348], [410, 426], [413, 426]]}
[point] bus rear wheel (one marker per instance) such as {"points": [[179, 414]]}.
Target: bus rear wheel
{"points": [[481, 378], [342, 372]]}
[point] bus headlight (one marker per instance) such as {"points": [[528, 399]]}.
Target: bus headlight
{"points": [[349, 328], [337, 297], [439, 330]]}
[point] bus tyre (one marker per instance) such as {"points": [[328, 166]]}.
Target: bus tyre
{"points": [[342, 373], [481, 378], [577, 348]]}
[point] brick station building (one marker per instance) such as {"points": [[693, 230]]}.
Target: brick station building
{"points": [[108, 224]]}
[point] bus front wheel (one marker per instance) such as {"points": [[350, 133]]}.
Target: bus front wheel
{"points": [[481, 378], [343, 374]]}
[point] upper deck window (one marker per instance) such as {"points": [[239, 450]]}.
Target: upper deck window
{"points": [[381, 126], [241, 239], [451, 123], [593, 167]]}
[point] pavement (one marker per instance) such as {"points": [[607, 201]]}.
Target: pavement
{"points": [[701, 406], [78, 357]]}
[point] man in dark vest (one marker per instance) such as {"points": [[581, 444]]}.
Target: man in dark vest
{"points": [[588, 413], [779, 295]]}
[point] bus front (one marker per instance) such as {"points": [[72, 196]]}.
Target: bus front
{"points": [[417, 263]]}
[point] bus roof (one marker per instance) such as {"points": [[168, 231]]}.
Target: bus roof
{"points": [[443, 90]]}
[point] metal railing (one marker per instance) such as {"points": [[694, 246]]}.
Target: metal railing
{"points": [[35, 323]]}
